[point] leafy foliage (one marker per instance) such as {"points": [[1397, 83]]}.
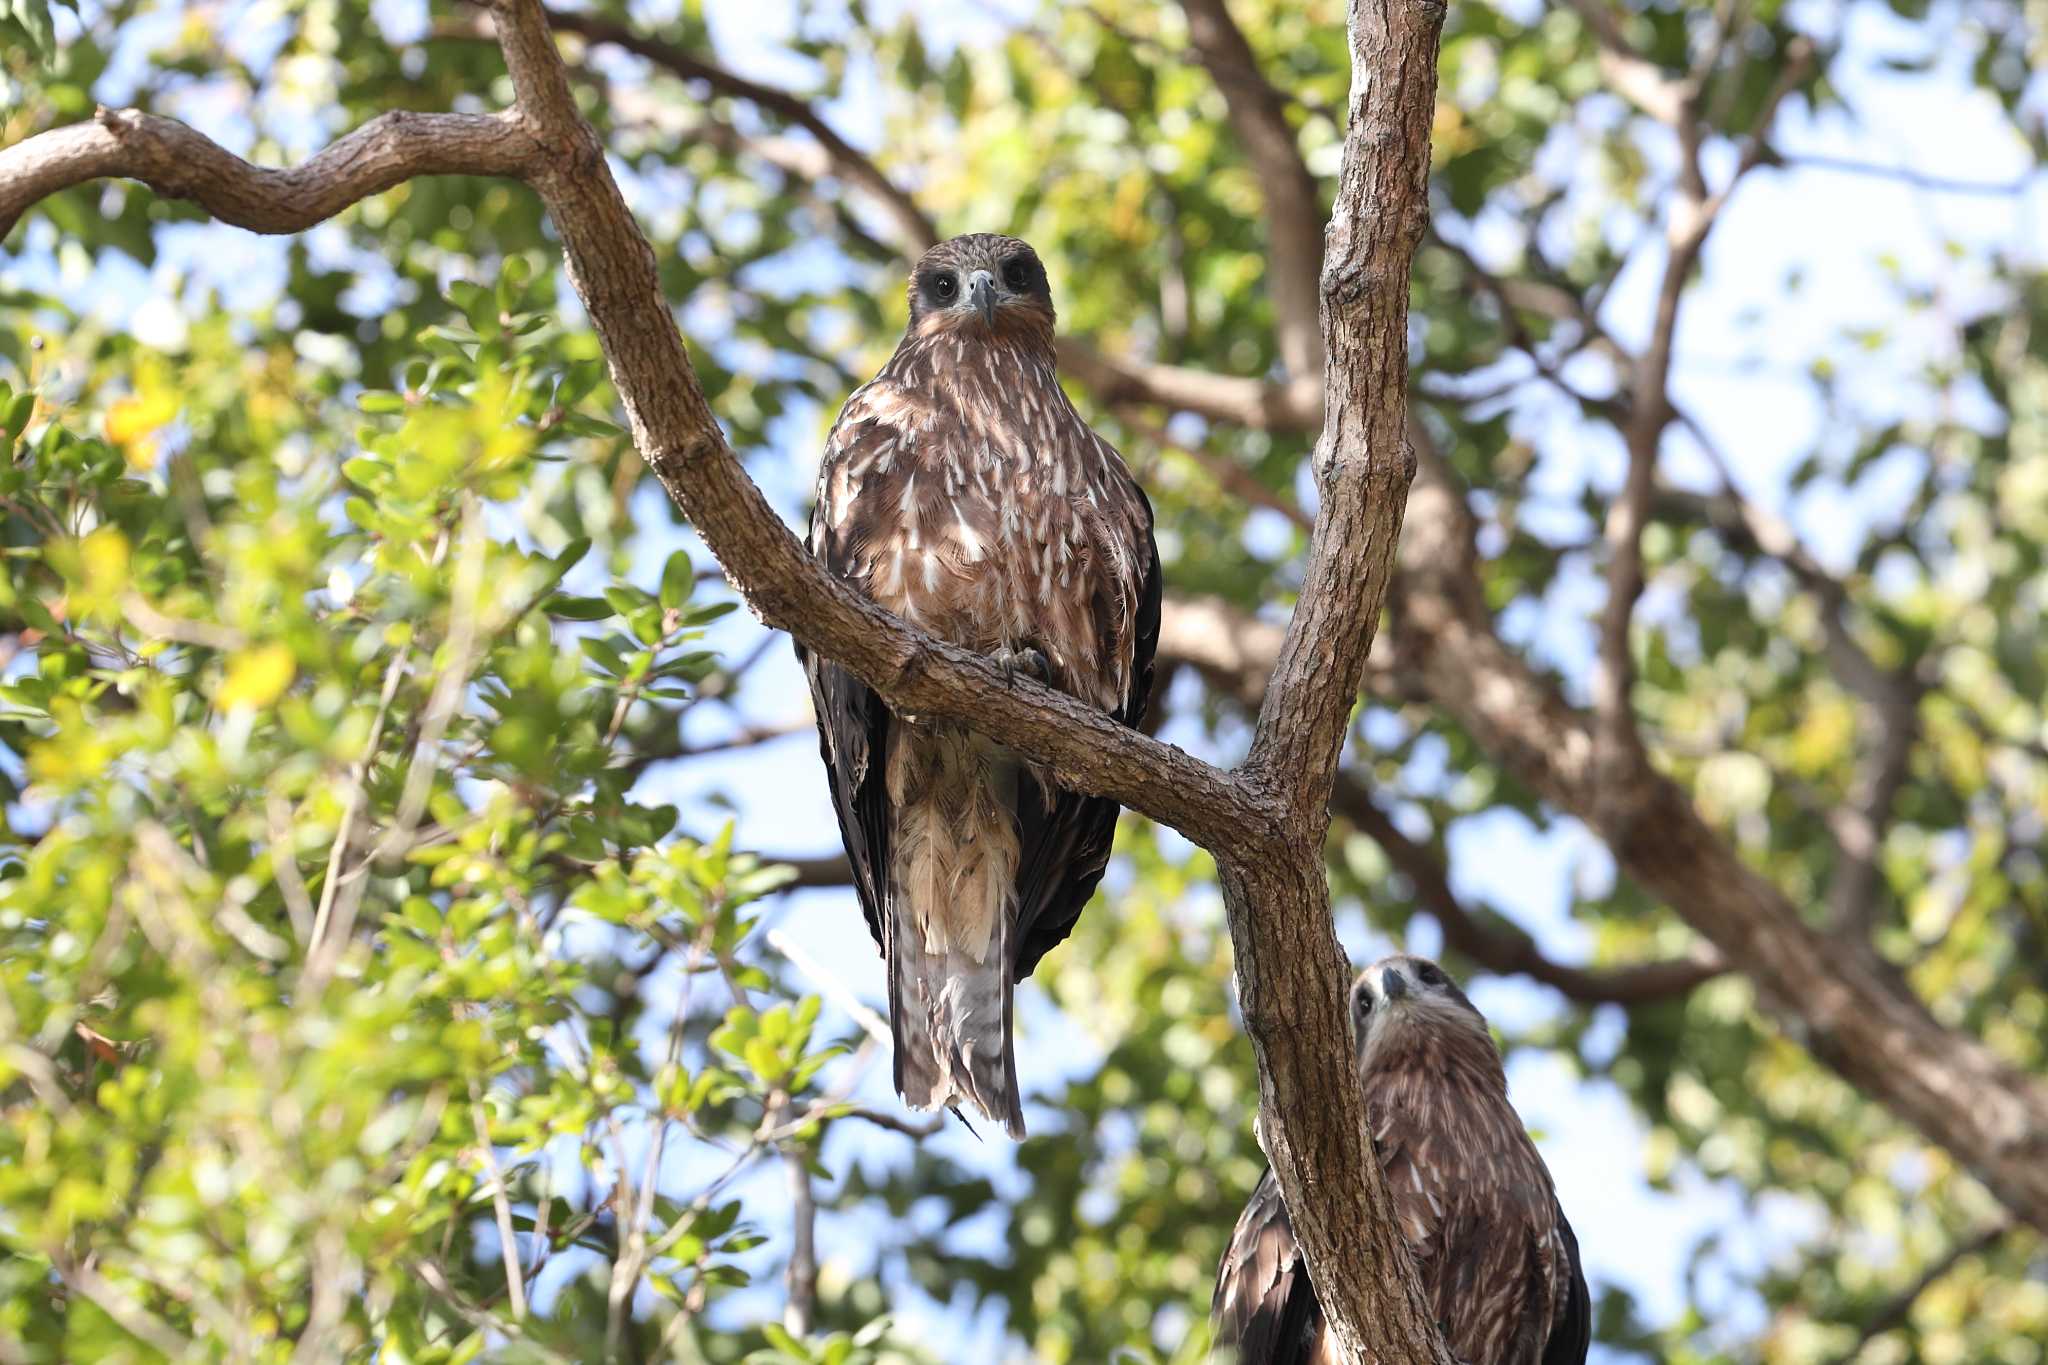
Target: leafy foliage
{"points": [[343, 640]]}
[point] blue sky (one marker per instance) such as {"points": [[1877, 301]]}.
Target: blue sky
{"points": [[1744, 349]]}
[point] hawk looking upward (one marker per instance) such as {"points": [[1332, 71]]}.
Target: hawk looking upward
{"points": [[1499, 1263], [960, 490]]}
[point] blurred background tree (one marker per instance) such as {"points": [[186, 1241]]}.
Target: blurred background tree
{"points": [[423, 930]]}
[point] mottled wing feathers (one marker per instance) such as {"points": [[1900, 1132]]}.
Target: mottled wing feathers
{"points": [[1065, 837], [1414, 1179], [1571, 1336], [1264, 1311], [1477, 1208], [853, 723]]}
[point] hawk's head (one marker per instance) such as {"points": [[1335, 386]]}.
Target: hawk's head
{"points": [[1407, 1004], [981, 284]]}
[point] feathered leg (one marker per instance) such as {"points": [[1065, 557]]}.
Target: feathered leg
{"points": [[951, 908]]}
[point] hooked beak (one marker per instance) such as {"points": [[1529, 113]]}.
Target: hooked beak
{"points": [[1393, 985], [981, 294]]}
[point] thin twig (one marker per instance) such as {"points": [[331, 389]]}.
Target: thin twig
{"points": [[501, 1204], [1905, 175], [832, 988], [131, 1316], [352, 802], [1896, 1310]]}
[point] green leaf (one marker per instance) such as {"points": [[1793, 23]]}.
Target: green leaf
{"points": [[678, 579], [572, 608], [34, 18], [14, 418]]}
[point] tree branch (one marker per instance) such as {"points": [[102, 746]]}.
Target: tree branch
{"points": [[1294, 406], [1617, 741], [1504, 948], [1891, 698], [1292, 975], [1895, 1311], [1235, 653], [613, 269], [914, 230], [1905, 175], [1833, 996], [1228, 474], [1294, 208], [179, 163]]}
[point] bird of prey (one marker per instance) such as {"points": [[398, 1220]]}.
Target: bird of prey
{"points": [[1499, 1263], [962, 491]]}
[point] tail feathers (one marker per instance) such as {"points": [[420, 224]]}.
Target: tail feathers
{"points": [[951, 902], [950, 1015]]}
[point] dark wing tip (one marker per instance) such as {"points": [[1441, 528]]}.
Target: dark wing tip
{"points": [[1571, 1336]]}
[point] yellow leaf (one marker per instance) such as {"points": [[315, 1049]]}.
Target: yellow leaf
{"points": [[104, 557], [133, 422], [257, 677], [101, 575]]}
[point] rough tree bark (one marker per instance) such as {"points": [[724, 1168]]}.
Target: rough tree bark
{"points": [[1265, 823]]}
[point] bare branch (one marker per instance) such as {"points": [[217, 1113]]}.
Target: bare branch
{"points": [[746, 737], [1504, 948], [179, 163], [914, 230], [835, 990], [1294, 208], [1294, 406], [1834, 996], [1638, 79], [801, 1275], [1905, 175], [1896, 1310], [1618, 743], [1234, 651], [132, 1318], [1231, 476], [1891, 698], [501, 1205], [359, 771]]}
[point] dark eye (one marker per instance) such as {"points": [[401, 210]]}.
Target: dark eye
{"points": [[1430, 975], [1016, 275], [1361, 1001], [944, 286]]}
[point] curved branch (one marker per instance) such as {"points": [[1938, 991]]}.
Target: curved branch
{"points": [[914, 229], [1234, 652], [613, 269], [1504, 948], [1895, 1312], [1838, 999], [1294, 406], [179, 163], [1291, 972], [1294, 208], [1617, 740]]}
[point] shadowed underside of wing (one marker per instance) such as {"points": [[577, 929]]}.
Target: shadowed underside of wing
{"points": [[1265, 1312], [1571, 1337], [853, 732], [1065, 842]]}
